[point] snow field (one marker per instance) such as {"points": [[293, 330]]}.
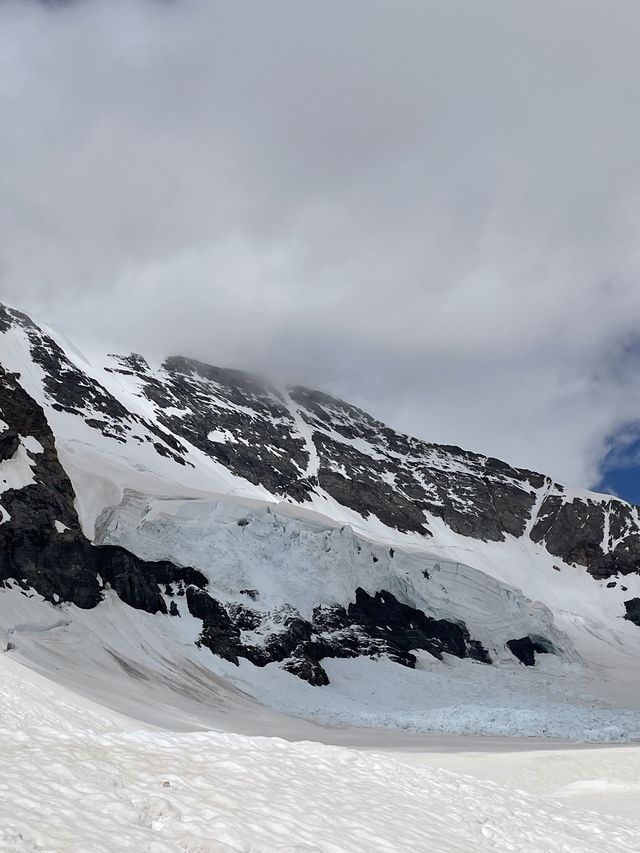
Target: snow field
{"points": [[77, 777], [73, 790]]}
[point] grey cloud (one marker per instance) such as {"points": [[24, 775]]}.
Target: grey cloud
{"points": [[428, 208]]}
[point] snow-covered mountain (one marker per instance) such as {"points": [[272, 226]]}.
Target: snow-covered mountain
{"points": [[283, 536]]}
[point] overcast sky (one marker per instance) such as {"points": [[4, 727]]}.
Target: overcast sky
{"points": [[430, 208]]}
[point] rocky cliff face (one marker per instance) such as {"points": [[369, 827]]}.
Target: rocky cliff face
{"points": [[373, 470], [295, 444], [42, 546], [44, 551]]}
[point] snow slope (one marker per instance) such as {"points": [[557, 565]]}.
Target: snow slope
{"points": [[76, 778], [150, 669], [564, 697]]}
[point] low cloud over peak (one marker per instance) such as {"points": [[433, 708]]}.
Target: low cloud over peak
{"points": [[430, 209]]}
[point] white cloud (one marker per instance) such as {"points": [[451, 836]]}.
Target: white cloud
{"points": [[429, 208]]}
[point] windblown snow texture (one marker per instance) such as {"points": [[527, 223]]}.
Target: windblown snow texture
{"points": [[150, 788]]}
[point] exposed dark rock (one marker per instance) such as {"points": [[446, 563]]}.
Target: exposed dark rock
{"points": [[367, 495], [261, 442], [372, 625], [403, 628], [9, 442], [73, 391], [575, 530], [525, 649], [307, 670], [632, 607], [244, 618], [402, 478], [253, 594], [65, 566], [137, 582], [219, 634]]}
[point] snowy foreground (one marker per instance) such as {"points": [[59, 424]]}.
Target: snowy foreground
{"points": [[77, 777]]}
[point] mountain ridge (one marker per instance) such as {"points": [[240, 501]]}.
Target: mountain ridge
{"points": [[329, 536], [362, 464]]}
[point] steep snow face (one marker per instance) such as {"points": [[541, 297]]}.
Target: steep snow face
{"points": [[240, 420], [41, 543], [406, 483], [267, 562], [106, 434]]}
